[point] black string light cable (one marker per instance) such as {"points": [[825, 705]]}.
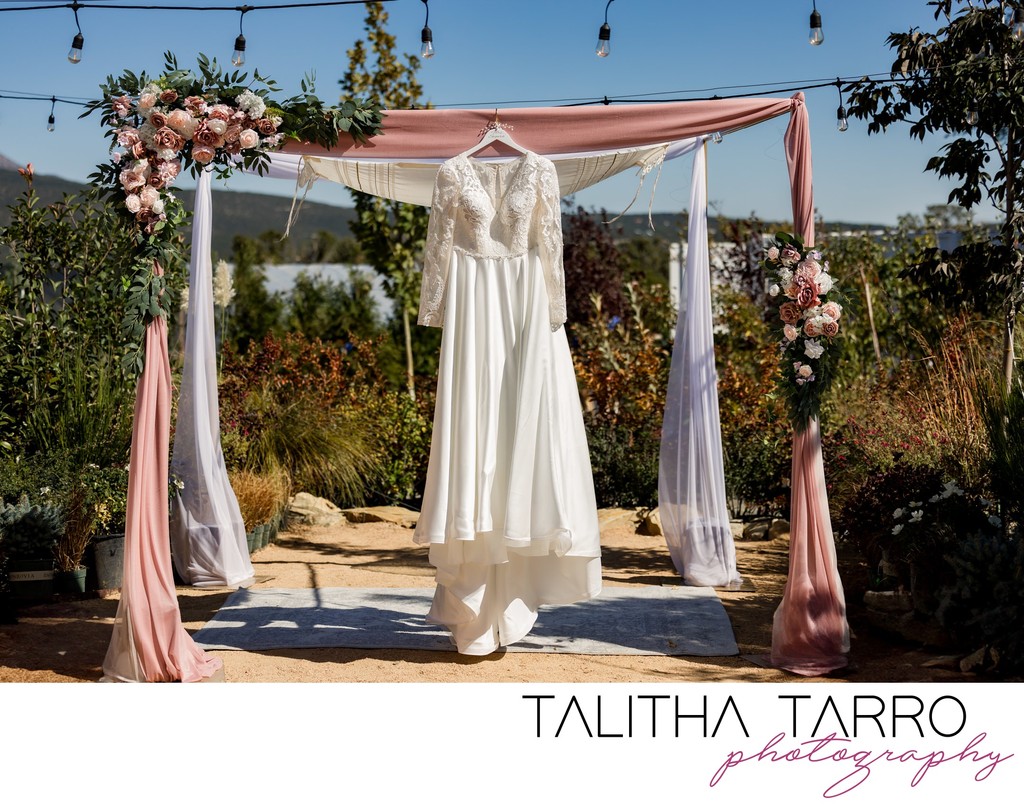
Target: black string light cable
{"points": [[237, 57]]}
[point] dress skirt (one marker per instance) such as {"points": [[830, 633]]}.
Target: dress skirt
{"points": [[508, 511]]}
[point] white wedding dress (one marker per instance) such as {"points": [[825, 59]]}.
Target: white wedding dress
{"points": [[508, 510]]}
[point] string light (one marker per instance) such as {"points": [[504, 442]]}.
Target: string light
{"points": [[604, 35], [51, 121], [426, 35], [816, 36], [842, 124], [716, 137], [78, 42], [238, 56]]}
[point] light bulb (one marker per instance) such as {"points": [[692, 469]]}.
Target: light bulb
{"points": [[972, 113], [75, 54], [716, 137], [841, 123], [50, 123], [1017, 31], [816, 37], [238, 57], [427, 43], [604, 40]]}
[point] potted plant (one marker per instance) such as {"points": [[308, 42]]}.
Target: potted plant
{"points": [[79, 525], [28, 538], [108, 488]]}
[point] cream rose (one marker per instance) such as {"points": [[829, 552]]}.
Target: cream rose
{"points": [[203, 154], [805, 370], [832, 309], [217, 125], [147, 101], [790, 332], [182, 123], [248, 139], [133, 203], [149, 196]]}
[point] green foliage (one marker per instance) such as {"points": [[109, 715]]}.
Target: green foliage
{"points": [[622, 366], [400, 430], [593, 266], [331, 310], [756, 435], [254, 312], [1003, 414], [29, 531], [974, 62], [391, 234]]}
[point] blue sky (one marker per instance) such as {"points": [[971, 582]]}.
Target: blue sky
{"points": [[520, 53]]}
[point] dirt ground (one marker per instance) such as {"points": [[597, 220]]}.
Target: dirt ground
{"points": [[65, 641]]}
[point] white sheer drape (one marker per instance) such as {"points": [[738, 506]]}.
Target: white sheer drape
{"points": [[207, 533], [691, 495]]}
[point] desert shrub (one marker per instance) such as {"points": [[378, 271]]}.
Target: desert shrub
{"points": [[756, 436], [260, 496], [622, 366], [399, 430]]}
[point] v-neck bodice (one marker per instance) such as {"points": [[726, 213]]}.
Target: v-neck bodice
{"points": [[493, 210]]}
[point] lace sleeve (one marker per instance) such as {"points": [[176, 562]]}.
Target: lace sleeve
{"points": [[438, 249], [550, 243]]}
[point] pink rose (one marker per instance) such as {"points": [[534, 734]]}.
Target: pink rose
{"points": [[182, 122], [149, 195], [131, 179], [122, 106], [805, 370], [157, 119], [789, 256], [800, 381], [808, 296], [168, 96], [832, 309], [220, 112], [156, 180], [811, 329], [830, 328], [128, 136], [248, 139], [809, 268], [167, 138], [147, 101], [773, 253], [790, 312], [203, 154], [265, 126], [205, 136], [790, 332], [138, 150], [133, 203], [195, 105]]}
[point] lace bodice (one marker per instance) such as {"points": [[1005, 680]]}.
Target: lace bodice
{"points": [[493, 210]]}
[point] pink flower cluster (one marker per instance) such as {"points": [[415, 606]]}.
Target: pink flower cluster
{"points": [[804, 280], [166, 129]]}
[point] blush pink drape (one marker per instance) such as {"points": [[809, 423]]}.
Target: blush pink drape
{"points": [[810, 635], [149, 643]]}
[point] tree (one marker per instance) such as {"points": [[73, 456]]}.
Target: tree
{"points": [[965, 81], [593, 266], [392, 234], [254, 311]]}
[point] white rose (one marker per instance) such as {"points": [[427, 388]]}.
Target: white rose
{"points": [[813, 349], [824, 281], [133, 203], [774, 290], [158, 207], [216, 125], [147, 101], [149, 196], [248, 139]]}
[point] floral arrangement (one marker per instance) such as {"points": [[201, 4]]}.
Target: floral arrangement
{"points": [[810, 323], [179, 120]]}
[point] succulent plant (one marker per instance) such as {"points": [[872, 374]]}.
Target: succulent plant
{"points": [[29, 531]]}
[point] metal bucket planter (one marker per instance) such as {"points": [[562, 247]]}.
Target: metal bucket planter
{"points": [[30, 579], [263, 531], [252, 541], [108, 560]]}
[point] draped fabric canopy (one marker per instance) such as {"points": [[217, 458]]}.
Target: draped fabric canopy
{"points": [[413, 142]]}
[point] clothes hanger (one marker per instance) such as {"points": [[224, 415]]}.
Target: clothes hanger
{"points": [[495, 131]]}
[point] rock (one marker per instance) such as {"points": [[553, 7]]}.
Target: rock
{"points": [[894, 602], [737, 529], [650, 525], [615, 517], [779, 531], [309, 510], [949, 662], [757, 530], [984, 659], [391, 514]]}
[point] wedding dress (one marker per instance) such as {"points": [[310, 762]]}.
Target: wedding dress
{"points": [[508, 511]]}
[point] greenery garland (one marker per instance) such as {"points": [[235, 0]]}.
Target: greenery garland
{"points": [[159, 127], [810, 324]]}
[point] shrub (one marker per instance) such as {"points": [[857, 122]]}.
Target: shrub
{"points": [[260, 496], [29, 531]]}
